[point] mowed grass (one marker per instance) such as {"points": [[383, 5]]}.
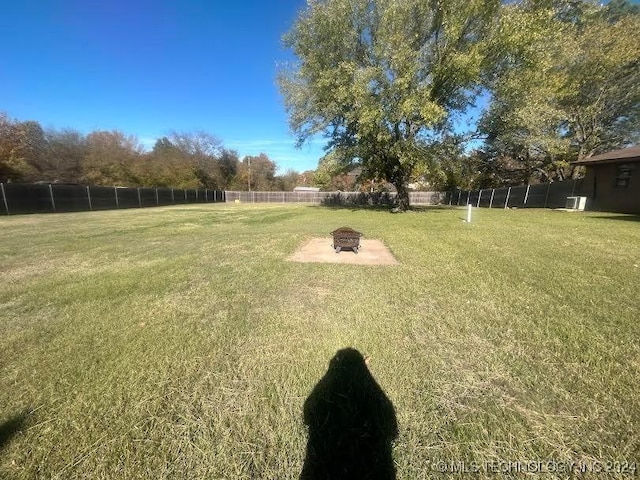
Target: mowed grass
{"points": [[178, 342]]}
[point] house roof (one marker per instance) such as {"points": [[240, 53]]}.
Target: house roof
{"points": [[631, 154]]}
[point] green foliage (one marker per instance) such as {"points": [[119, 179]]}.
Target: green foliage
{"points": [[618, 9], [109, 158], [181, 159], [328, 168], [287, 181], [381, 78], [228, 162], [446, 166], [307, 178], [568, 88], [256, 172]]}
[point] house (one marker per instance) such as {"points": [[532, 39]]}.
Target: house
{"points": [[612, 181], [306, 189]]}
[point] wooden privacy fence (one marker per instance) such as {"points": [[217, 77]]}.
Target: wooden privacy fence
{"points": [[543, 195], [334, 198], [20, 198]]}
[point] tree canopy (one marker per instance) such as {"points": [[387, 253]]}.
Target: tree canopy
{"points": [[384, 79], [573, 93], [390, 83]]}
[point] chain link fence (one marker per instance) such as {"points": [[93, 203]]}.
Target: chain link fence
{"points": [[543, 195]]}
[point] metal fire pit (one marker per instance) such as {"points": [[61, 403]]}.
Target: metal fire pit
{"points": [[346, 237]]}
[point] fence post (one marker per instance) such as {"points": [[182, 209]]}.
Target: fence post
{"points": [[479, 197], [53, 203], [115, 189], [493, 192], [139, 199], [89, 198], [185, 196], [506, 200], [526, 195], [157, 199], [4, 198]]}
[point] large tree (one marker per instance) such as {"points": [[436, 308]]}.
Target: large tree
{"points": [[382, 79], [571, 89]]}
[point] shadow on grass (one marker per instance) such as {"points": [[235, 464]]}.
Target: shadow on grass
{"points": [[351, 424], [10, 427], [388, 208], [629, 217]]}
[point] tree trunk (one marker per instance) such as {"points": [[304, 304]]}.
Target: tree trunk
{"points": [[402, 199]]}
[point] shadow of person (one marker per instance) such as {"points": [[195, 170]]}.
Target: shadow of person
{"points": [[351, 424], [11, 427]]}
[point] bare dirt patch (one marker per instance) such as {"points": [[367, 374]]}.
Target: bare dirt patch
{"points": [[319, 250]]}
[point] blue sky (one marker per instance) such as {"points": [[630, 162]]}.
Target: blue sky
{"points": [[146, 67]]}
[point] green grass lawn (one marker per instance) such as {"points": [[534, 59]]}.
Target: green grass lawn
{"points": [[178, 342]]}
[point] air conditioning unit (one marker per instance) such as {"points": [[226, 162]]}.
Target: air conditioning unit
{"points": [[576, 203]]}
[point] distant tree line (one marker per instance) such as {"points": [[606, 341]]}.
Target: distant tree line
{"points": [[28, 153]]}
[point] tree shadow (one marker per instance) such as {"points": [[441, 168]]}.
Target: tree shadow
{"points": [[628, 217], [381, 200], [389, 209], [355, 208], [10, 427], [351, 424]]}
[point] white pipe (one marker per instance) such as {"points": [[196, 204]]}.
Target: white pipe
{"points": [[469, 207]]}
